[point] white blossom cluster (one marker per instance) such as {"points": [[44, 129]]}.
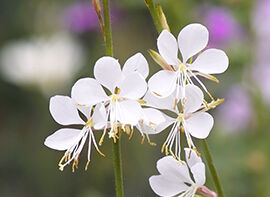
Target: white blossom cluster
{"points": [[117, 100]]}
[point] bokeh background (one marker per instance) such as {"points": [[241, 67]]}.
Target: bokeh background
{"points": [[46, 45]]}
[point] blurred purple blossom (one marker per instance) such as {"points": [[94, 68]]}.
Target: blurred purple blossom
{"points": [[261, 68], [80, 17], [261, 18], [235, 113], [221, 24]]}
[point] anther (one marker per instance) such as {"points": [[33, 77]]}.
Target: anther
{"points": [[86, 165]]}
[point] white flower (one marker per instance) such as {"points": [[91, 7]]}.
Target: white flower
{"points": [[125, 86], [46, 63], [192, 39], [191, 119], [65, 112], [175, 179], [152, 122]]}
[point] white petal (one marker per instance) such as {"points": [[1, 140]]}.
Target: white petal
{"points": [[99, 117], [63, 111], [191, 157], [172, 167], [165, 186], [136, 63], [198, 171], [167, 47], [154, 121], [88, 91], [160, 103], [163, 83], [165, 124], [199, 124], [192, 39], [133, 86], [153, 115], [194, 99], [130, 112], [211, 61], [107, 72], [62, 139]]}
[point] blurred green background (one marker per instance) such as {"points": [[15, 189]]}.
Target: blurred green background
{"points": [[46, 45]]}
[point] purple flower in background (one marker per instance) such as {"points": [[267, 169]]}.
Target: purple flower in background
{"points": [[261, 18], [81, 17], [222, 26], [236, 113], [261, 69]]}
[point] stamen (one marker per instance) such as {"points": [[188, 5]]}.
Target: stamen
{"points": [[163, 147], [102, 154], [196, 150], [86, 165], [80, 105], [131, 133], [182, 129], [62, 159], [141, 101], [157, 94], [212, 98], [143, 138], [175, 103], [61, 167], [149, 142], [89, 123], [102, 138]]}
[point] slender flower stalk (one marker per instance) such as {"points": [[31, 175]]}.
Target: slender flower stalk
{"points": [[118, 169], [107, 26], [154, 13], [116, 146], [211, 167], [208, 156]]}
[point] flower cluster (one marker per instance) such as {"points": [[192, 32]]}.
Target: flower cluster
{"points": [[117, 100]]}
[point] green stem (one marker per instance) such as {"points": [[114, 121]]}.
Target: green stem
{"points": [[211, 167], [118, 169], [107, 27], [116, 146], [153, 11]]}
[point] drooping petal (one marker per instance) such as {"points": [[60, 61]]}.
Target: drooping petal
{"points": [[199, 124], [164, 186], [133, 86], [153, 121], [107, 72], [88, 91], [130, 112], [174, 168], [99, 116], [136, 63], [160, 103], [194, 99], [192, 39], [198, 171], [211, 61], [191, 157], [62, 139], [63, 111], [167, 47], [163, 83]]}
